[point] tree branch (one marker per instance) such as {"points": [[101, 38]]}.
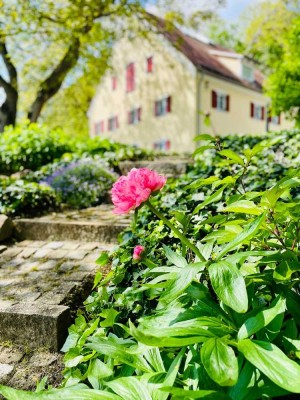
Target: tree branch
{"points": [[52, 84], [12, 72]]}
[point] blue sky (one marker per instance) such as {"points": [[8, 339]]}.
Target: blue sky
{"points": [[234, 9]]}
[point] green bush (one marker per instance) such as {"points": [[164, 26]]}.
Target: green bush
{"points": [[176, 325], [113, 152], [81, 183], [20, 198], [30, 147]]}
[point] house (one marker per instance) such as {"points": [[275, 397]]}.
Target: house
{"points": [[162, 90]]}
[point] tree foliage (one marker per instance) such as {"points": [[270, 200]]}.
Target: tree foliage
{"points": [[53, 44], [272, 38]]}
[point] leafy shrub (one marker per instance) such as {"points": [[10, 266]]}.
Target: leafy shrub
{"points": [[30, 146], [246, 237], [20, 198], [82, 183], [114, 152], [222, 325]]}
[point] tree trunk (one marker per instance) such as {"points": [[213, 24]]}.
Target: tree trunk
{"points": [[52, 84], [8, 110]]}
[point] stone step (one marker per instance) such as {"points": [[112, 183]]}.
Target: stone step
{"points": [[169, 166], [41, 286], [89, 225]]}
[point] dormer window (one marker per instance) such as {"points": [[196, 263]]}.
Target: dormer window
{"points": [[247, 73]]}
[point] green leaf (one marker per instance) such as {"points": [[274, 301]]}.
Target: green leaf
{"points": [[178, 327], [183, 394], [204, 136], [232, 156], [119, 352], [129, 388], [110, 315], [243, 206], [285, 270], [76, 392], [202, 149], [220, 362], [202, 182], [216, 196], [184, 278], [175, 258], [97, 370], [248, 233], [262, 319], [153, 356], [269, 359], [229, 285], [103, 259]]}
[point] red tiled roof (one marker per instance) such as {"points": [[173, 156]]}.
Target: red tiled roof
{"points": [[199, 53]]}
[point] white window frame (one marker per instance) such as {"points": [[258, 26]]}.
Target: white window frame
{"points": [[221, 104], [112, 126], [258, 111], [162, 105]]}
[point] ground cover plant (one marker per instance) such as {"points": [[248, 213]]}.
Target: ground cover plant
{"points": [[82, 183], [81, 171], [21, 198], [202, 300]]}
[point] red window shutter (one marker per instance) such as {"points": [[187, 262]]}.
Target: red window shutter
{"points": [[252, 110], [155, 108], [168, 144], [150, 64], [139, 113], [169, 101], [114, 83], [214, 99], [116, 122], [227, 103], [263, 113], [130, 77], [129, 117], [102, 126]]}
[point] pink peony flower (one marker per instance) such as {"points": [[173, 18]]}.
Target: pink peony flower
{"points": [[130, 191], [137, 252]]}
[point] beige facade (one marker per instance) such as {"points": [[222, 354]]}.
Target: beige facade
{"points": [[189, 90], [238, 119]]}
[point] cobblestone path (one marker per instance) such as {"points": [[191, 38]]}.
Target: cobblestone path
{"points": [[43, 281]]}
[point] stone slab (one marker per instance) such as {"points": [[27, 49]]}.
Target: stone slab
{"points": [[171, 167], [6, 227], [35, 325], [35, 229]]}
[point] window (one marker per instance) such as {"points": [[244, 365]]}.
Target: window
{"points": [[220, 101], [247, 73], [114, 83], [113, 123], [274, 119], [257, 111], [130, 77], [134, 116], [150, 65], [162, 107], [99, 127]]}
